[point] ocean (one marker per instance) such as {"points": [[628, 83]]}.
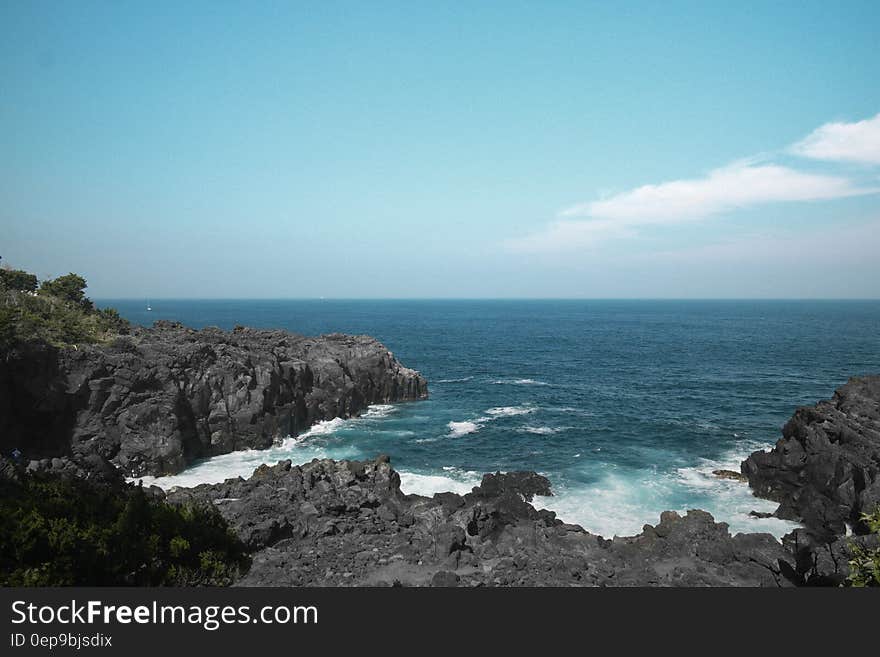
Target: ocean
{"points": [[626, 406]]}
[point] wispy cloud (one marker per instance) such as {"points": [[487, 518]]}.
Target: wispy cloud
{"points": [[741, 184], [735, 186], [843, 142]]}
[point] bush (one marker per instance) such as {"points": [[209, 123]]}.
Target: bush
{"points": [[16, 279], [864, 567], [70, 532], [70, 288], [59, 314], [8, 324], [110, 321]]}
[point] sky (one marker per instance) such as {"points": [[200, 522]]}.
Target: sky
{"points": [[443, 149]]}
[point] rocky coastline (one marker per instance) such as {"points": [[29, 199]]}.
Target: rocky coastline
{"points": [[154, 401], [347, 523]]}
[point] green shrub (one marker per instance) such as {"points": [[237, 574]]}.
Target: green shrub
{"points": [[16, 279], [864, 567], [60, 532], [70, 288], [59, 314]]}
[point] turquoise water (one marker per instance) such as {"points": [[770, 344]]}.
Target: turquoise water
{"points": [[626, 406]]}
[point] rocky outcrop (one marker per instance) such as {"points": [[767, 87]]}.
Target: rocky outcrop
{"points": [[348, 523], [152, 402], [825, 470]]}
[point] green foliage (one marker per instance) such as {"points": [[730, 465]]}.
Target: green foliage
{"points": [[109, 321], [864, 567], [16, 279], [59, 314], [7, 326], [70, 288], [70, 532]]}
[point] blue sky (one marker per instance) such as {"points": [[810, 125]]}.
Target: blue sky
{"points": [[507, 149]]}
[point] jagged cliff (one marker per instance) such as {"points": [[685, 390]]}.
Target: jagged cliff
{"points": [[825, 470], [153, 401]]}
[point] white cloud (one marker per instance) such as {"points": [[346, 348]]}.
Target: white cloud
{"points": [[738, 185], [843, 142], [734, 186]]}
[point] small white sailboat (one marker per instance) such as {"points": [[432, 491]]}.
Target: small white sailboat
{"points": [[149, 307]]}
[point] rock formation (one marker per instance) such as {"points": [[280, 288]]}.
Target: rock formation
{"points": [[348, 523], [152, 402], [825, 470]]}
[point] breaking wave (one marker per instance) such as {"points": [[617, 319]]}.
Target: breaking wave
{"points": [[457, 429], [510, 411], [462, 482]]}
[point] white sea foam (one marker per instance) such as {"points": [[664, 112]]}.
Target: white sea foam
{"points": [[457, 429], [520, 382], [729, 500], [412, 483], [615, 506], [299, 449], [465, 427], [378, 411], [323, 428], [239, 464], [541, 431], [624, 500], [510, 411], [461, 380]]}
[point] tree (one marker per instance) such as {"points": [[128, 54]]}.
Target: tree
{"points": [[16, 279], [70, 288]]}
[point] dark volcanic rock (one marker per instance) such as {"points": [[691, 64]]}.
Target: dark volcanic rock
{"points": [[153, 402], [348, 523], [824, 470], [729, 474]]}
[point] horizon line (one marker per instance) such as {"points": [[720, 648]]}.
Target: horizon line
{"points": [[196, 298]]}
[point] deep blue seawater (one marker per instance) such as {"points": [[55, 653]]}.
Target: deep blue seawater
{"points": [[627, 406]]}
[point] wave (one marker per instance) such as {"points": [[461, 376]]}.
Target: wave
{"points": [[457, 429], [464, 427], [729, 500], [621, 501], [616, 505], [242, 463], [378, 411], [461, 380], [541, 431], [299, 449], [520, 382], [510, 411], [413, 483], [330, 427], [323, 428]]}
